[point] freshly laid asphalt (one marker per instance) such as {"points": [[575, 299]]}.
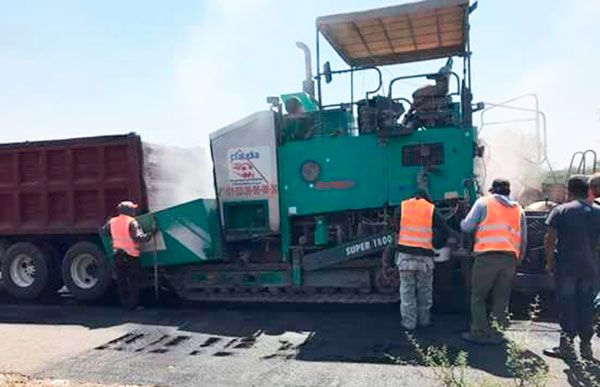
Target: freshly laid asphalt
{"points": [[249, 345]]}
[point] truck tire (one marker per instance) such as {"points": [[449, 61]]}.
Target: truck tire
{"points": [[25, 271], [54, 269], [4, 245], [86, 271]]}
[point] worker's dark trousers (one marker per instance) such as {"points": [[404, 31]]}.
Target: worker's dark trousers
{"points": [[128, 279], [575, 302], [492, 274]]}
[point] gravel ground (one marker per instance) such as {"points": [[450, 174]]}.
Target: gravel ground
{"points": [[253, 346]]}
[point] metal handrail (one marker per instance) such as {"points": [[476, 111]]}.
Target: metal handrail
{"points": [[540, 124], [582, 166], [457, 92], [354, 69]]}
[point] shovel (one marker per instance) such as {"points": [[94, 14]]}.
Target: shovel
{"points": [[155, 254]]}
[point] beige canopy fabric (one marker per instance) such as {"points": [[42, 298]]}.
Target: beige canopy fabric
{"points": [[399, 34]]}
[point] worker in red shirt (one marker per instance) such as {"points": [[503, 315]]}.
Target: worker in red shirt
{"points": [[126, 236]]}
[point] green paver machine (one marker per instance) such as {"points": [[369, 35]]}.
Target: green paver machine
{"points": [[306, 191]]}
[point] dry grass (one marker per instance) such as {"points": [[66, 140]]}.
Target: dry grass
{"points": [[16, 380]]}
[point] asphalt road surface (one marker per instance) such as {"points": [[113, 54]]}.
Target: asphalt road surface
{"points": [[265, 345]]}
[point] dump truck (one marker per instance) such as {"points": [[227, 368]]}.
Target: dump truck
{"points": [[53, 196], [305, 190]]}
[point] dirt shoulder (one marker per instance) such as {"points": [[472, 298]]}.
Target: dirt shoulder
{"points": [[17, 380]]}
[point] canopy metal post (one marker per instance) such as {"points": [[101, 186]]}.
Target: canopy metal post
{"points": [[469, 55], [352, 88], [318, 52], [465, 65]]}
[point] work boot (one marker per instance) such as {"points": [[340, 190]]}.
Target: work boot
{"points": [[424, 318], [498, 338], [565, 350], [409, 328], [585, 349], [480, 338]]}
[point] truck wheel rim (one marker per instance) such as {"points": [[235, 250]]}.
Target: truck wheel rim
{"points": [[22, 271], [84, 271]]}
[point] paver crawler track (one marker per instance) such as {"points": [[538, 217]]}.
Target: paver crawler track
{"points": [[291, 295]]}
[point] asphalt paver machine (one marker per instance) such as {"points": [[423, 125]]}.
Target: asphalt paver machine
{"points": [[305, 191]]}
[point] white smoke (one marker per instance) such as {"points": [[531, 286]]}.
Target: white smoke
{"points": [[175, 175], [512, 154]]}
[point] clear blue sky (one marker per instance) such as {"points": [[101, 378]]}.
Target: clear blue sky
{"points": [[174, 71]]}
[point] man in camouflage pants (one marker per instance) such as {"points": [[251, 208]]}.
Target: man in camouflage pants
{"points": [[420, 229]]}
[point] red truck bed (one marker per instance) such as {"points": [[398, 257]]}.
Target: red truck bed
{"points": [[67, 186]]}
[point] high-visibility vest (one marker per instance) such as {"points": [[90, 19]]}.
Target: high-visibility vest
{"points": [[416, 224], [121, 238], [500, 230]]}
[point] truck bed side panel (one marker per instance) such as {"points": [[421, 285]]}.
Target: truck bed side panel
{"points": [[67, 186]]}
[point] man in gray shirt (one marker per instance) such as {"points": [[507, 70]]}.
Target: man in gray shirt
{"points": [[595, 187], [571, 251]]}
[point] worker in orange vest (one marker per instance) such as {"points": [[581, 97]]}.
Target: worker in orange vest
{"points": [[126, 235], [420, 229], [500, 231]]}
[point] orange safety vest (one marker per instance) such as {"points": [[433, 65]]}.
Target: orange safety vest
{"points": [[121, 238], [500, 230], [416, 224]]}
